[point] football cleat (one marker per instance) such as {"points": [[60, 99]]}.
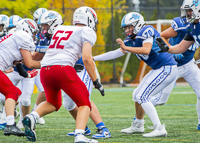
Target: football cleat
{"points": [[80, 138], [159, 131], [20, 125], [29, 122], [198, 127], [41, 121], [102, 132], [136, 128], [2, 126], [13, 130], [16, 114], [87, 132]]}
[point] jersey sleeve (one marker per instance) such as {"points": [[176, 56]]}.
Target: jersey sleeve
{"points": [[178, 25], [175, 25], [148, 32], [26, 43], [89, 35]]}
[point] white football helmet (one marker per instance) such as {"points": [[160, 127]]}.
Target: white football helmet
{"points": [[135, 19], [86, 16], [38, 13], [27, 25], [13, 20], [194, 5], [52, 18], [4, 19]]}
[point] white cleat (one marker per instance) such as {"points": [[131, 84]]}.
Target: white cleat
{"points": [[159, 131], [20, 125], [82, 139], [41, 121], [136, 128]]}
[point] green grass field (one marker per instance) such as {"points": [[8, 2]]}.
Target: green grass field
{"points": [[117, 110]]}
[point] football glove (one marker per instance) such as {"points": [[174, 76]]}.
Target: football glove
{"points": [[99, 86], [32, 73], [178, 56], [163, 46]]}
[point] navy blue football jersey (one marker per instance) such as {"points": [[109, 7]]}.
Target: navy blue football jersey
{"points": [[155, 59], [180, 27]]}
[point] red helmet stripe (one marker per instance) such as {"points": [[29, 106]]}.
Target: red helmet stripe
{"points": [[31, 24]]}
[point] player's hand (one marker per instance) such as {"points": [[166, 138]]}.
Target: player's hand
{"points": [[121, 43], [163, 46], [178, 56], [32, 73], [99, 86]]}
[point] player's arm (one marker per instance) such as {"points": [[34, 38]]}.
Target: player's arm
{"points": [[110, 55], [87, 60], [24, 73], [38, 56], [90, 67], [28, 60], [144, 50], [176, 49], [168, 33]]}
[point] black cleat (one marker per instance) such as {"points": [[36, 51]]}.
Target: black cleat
{"points": [[13, 130]]}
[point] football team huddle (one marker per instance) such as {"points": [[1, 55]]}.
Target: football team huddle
{"points": [[58, 60]]}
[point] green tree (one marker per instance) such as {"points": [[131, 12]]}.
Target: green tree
{"points": [[23, 8], [171, 15]]}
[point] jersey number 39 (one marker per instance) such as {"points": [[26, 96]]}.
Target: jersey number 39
{"points": [[58, 37]]}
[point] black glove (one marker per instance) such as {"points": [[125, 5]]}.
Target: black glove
{"points": [[163, 46], [99, 86]]}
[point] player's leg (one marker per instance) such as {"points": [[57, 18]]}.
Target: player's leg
{"points": [[137, 126], [81, 100], [102, 130], [156, 81], [11, 93], [46, 107], [41, 96], [25, 98], [15, 79], [192, 76]]}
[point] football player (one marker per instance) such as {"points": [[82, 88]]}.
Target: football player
{"points": [[140, 40], [190, 10], [15, 48], [103, 132], [48, 25], [68, 44]]}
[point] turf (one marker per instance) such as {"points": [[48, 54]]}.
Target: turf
{"points": [[117, 111]]}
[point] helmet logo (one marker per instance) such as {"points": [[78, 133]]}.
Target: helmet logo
{"points": [[195, 2], [4, 18], [51, 16], [135, 16]]}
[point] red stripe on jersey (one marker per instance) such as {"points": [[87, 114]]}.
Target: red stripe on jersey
{"points": [[5, 37]]}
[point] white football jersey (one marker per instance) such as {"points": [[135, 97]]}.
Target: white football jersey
{"points": [[66, 45], [10, 46]]}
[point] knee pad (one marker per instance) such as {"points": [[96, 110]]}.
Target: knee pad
{"points": [[134, 96], [25, 102], [69, 105]]}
